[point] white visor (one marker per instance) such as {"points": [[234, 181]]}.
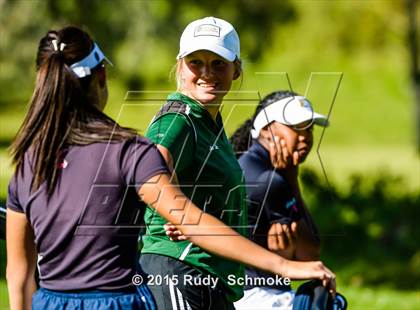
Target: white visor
{"points": [[289, 111], [83, 67]]}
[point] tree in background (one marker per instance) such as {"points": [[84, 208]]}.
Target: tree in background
{"points": [[414, 54], [132, 32]]}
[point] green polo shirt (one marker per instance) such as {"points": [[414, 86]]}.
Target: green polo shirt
{"points": [[209, 174]]}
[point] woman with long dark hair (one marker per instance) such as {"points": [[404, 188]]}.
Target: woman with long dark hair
{"points": [[69, 157], [74, 197]]}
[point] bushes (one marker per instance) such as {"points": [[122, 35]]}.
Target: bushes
{"points": [[369, 230]]}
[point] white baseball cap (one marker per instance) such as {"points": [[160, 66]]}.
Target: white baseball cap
{"points": [[212, 34], [289, 111]]}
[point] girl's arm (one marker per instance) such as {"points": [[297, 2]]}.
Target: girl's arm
{"points": [[21, 260], [214, 236], [302, 237], [169, 161], [308, 243]]}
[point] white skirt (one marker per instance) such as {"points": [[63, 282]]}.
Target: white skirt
{"points": [[265, 298]]}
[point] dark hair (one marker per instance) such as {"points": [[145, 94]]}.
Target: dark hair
{"points": [[241, 138], [60, 112]]}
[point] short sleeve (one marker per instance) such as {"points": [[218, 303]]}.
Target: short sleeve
{"points": [[140, 161], [276, 198], [12, 197], [174, 132]]}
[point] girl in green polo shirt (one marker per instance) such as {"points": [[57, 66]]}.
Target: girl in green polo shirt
{"points": [[190, 135]]}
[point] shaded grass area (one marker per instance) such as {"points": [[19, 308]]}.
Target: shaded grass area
{"points": [[4, 300]]}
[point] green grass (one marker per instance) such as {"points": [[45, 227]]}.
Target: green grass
{"points": [[10, 120], [375, 298], [4, 298], [368, 298], [342, 162], [5, 172]]}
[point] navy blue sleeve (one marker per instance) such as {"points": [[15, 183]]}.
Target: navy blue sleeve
{"points": [[276, 198]]}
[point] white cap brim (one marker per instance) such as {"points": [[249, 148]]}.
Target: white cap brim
{"points": [[217, 49], [303, 116], [287, 112]]}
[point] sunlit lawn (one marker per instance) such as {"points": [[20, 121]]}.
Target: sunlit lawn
{"points": [[4, 300], [380, 299]]}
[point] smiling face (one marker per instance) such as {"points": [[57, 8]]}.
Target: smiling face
{"points": [[205, 76], [298, 138]]}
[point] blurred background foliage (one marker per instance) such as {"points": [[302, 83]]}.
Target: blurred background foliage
{"points": [[350, 58], [140, 36]]}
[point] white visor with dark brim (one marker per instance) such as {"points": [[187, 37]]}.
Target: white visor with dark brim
{"points": [[84, 67], [290, 111]]}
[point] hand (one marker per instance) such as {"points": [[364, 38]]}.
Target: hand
{"points": [[173, 233], [281, 239], [309, 270], [280, 156]]}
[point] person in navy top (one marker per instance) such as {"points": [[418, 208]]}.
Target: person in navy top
{"points": [[80, 185], [281, 132]]}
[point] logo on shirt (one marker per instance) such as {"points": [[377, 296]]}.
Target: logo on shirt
{"points": [[291, 204], [63, 164], [213, 147]]}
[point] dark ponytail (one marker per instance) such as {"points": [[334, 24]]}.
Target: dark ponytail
{"points": [[60, 113], [241, 138]]}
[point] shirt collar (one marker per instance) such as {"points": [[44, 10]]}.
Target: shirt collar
{"points": [[196, 107], [191, 102]]}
